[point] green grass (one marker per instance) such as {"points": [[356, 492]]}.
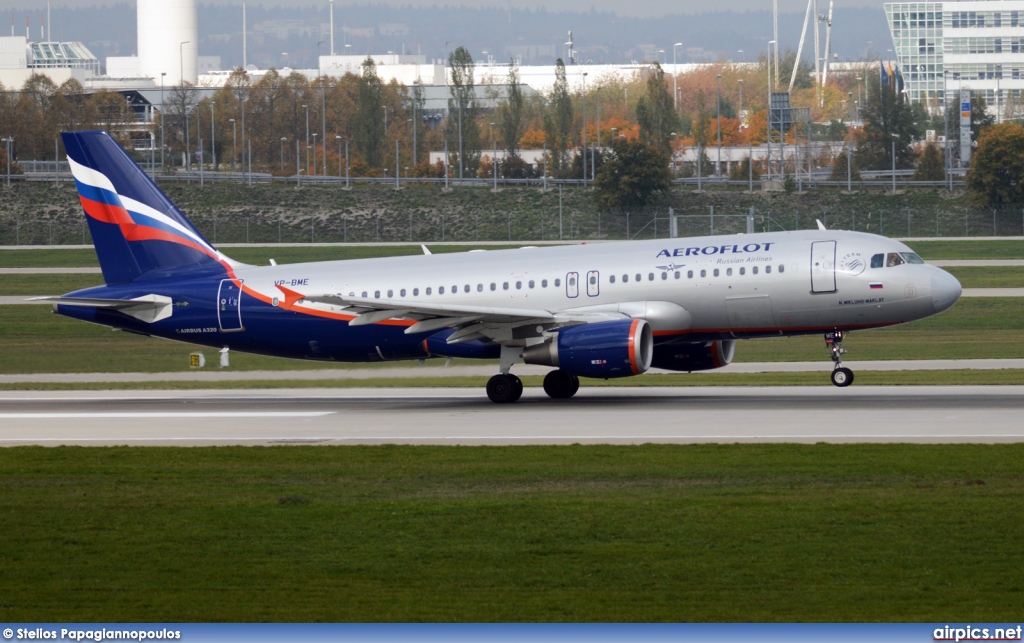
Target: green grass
{"points": [[36, 341], [575, 533], [969, 249]]}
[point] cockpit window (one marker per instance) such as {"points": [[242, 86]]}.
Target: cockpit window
{"points": [[894, 259], [911, 257], [877, 261]]}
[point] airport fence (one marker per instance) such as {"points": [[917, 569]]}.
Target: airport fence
{"points": [[300, 226]]}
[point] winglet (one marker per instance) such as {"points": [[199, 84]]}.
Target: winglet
{"points": [[821, 226]]}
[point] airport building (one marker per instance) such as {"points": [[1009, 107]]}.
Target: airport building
{"points": [[944, 47]]}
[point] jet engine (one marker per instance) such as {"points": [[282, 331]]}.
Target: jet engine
{"points": [[703, 356], [609, 349]]}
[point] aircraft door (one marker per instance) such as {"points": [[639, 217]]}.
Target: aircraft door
{"points": [[593, 283], [229, 309], [572, 285], [823, 266]]}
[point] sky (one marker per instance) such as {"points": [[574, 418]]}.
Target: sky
{"points": [[637, 8]]}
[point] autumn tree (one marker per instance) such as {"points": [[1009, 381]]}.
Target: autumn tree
{"points": [[655, 111], [510, 113], [996, 176], [558, 120], [930, 164], [839, 168], [633, 174], [368, 128], [463, 132]]}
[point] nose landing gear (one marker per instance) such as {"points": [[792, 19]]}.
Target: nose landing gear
{"points": [[841, 376]]}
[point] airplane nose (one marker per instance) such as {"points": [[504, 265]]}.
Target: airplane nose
{"points": [[945, 290]]}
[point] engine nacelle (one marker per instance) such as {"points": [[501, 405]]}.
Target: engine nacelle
{"points": [[694, 357], [604, 349]]}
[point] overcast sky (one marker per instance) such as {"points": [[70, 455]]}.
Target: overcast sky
{"points": [[645, 8]]}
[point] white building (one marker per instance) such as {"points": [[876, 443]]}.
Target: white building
{"points": [[943, 47]]}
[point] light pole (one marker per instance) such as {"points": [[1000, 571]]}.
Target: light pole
{"points": [[338, 138], [583, 140], [162, 74], [314, 154], [768, 139], [306, 107], [213, 138], [234, 143], [894, 137], [675, 79], [740, 112], [718, 83], [323, 106], [9, 140], [849, 150], [945, 119], [284, 139]]}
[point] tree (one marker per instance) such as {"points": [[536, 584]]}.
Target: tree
{"points": [[839, 172], [655, 111], [463, 132], [369, 122], [558, 120], [930, 165], [510, 112], [997, 168], [633, 174], [888, 118]]}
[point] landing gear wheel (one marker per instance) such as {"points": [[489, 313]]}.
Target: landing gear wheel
{"points": [[504, 389], [561, 385], [842, 377]]}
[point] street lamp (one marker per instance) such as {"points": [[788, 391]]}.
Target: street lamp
{"points": [[306, 107], [234, 143], [849, 150], [9, 140], [162, 74], [894, 137], [718, 83], [284, 139], [675, 74], [181, 61], [314, 154], [338, 138], [323, 105], [213, 137], [583, 140]]}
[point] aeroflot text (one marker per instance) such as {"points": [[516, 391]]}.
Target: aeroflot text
{"points": [[716, 250], [971, 633]]}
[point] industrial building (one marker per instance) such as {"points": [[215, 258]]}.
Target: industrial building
{"points": [[945, 47]]}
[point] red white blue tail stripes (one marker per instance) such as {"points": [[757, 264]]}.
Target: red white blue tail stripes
{"points": [[137, 230]]}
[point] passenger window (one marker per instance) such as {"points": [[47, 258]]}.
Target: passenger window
{"points": [[494, 286], [558, 282], [754, 270], [743, 271], [391, 293], [877, 261], [638, 278], [402, 292], [728, 272], [429, 290], [782, 268], [465, 288], [650, 276], [611, 279], [689, 274], [767, 270], [504, 286], [531, 284], [593, 280], [572, 281], [543, 283], [625, 278], [703, 273], [716, 272], [519, 285], [479, 287], [894, 259], [677, 274], [363, 295], [664, 276], [455, 290], [415, 292], [440, 290], [376, 294]]}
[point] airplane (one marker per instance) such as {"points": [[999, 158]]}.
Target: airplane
{"points": [[604, 310]]}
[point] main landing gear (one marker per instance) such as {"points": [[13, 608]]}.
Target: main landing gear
{"points": [[561, 385], [841, 376], [504, 388]]}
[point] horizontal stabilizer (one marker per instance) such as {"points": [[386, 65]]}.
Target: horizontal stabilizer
{"points": [[148, 308]]}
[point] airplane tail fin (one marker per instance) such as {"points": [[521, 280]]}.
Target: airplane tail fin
{"points": [[137, 231]]}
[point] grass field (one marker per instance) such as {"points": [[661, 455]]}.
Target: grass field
{"points": [[37, 341], [575, 533]]}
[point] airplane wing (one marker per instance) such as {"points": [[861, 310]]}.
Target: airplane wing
{"points": [[148, 308], [474, 322]]}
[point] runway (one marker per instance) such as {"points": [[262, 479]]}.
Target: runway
{"points": [[465, 416]]}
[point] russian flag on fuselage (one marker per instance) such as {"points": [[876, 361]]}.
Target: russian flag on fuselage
{"points": [[136, 229]]}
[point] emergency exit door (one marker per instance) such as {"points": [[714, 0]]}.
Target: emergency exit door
{"points": [[229, 308], [823, 266]]}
